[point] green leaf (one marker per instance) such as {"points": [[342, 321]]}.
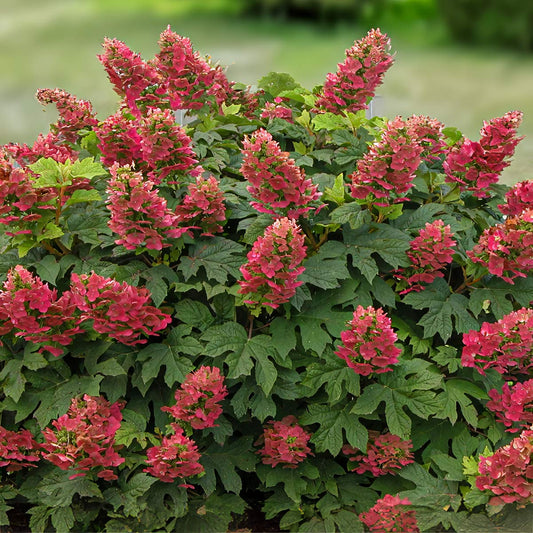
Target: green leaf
{"points": [[443, 306], [57, 490], [256, 228], [347, 521], [325, 268], [225, 460], [338, 378], [51, 231], [48, 269], [87, 168], [129, 494], [49, 172], [328, 121], [430, 491], [409, 386], [333, 421], [455, 393], [155, 355], [335, 193], [218, 256], [283, 335], [12, 379], [352, 214], [450, 465], [194, 313], [83, 195], [277, 82], [62, 518], [39, 517]]}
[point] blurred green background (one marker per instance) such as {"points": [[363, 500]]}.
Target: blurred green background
{"points": [[460, 61]]}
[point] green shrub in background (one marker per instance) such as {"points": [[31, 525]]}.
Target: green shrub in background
{"points": [[219, 303], [507, 23]]}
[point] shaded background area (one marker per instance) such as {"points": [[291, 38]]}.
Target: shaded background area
{"points": [[460, 61]]}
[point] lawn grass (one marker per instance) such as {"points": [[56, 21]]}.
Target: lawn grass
{"points": [[54, 44]]}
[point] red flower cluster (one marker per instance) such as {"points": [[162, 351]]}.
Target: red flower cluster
{"points": [[50, 145], [507, 249], [389, 514], [276, 109], [358, 76], [385, 454], [276, 183], [387, 170], [428, 133], [514, 404], [368, 345], [285, 443], [518, 199], [177, 456], [270, 275], [138, 214], [31, 310], [203, 207], [118, 310], [430, 251], [197, 399], [154, 143], [74, 114], [506, 345], [477, 165], [18, 449], [508, 474], [84, 438]]}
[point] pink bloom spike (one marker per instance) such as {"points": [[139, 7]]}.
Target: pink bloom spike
{"points": [[390, 514]]}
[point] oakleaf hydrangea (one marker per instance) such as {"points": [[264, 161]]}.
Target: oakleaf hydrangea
{"points": [[508, 473], [358, 76], [368, 343], [279, 187], [513, 405], [505, 345], [390, 513], [274, 264], [475, 165], [285, 443], [518, 199], [386, 172], [83, 439], [198, 398], [385, 454], [18, 449], [176, 457]]}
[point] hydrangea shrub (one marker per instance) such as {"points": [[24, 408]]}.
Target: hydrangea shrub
{"points": [[283, 308]]}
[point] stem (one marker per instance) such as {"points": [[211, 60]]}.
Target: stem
{"points": [[48, 247], [250, 325]]}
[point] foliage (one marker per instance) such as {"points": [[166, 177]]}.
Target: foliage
{"points": [[204, 319]]}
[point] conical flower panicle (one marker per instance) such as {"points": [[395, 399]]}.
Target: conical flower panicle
{"points": [[357, 78], [391, 513], [278, 186], [513, 405], [518, 199], [475, 165], [387, 170], [274, 264], [368, 343]]}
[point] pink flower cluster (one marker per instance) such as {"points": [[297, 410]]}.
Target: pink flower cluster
{"points": [[74, 114], [477, 165], [176, 457], [430, 251], [197, 399], [31, 310], [177, 78], [506, 345], [514, 404], [118, 310], [387, 170], [274, 264], [49, 145], [139, 216], [276, 109], [278, 186], [507, 249], [358, 76], [518, 199], [84, 438], [427, 132], [154, 143], [368, 344], [285, 443], [18, 449], [389, 514], [203, 207], [508, 474], [385, 454]]}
